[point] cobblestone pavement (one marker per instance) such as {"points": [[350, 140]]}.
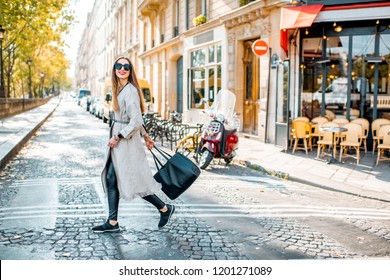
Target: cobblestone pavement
{"points": [[66, 156]]}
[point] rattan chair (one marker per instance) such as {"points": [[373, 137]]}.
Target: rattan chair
{"points": [[304, 119], [375, 125], [315, 125], [301, 131], [352, 139], [330, 115], [353, 113], [341, 121], [366, 126], [384, 141]]}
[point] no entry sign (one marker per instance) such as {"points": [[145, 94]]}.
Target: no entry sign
{"points": [[260, 47]]}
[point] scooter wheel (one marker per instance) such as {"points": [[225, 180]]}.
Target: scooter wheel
{"points": [[205, 159]]}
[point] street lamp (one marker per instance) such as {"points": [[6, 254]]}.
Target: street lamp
{"points": [[28, 61], [42, 79], [2, 93]]}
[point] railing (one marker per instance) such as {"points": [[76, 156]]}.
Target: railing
{"points": [[383, 101]]}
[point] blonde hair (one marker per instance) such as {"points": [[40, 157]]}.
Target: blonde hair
{"points": [[131, 79]]}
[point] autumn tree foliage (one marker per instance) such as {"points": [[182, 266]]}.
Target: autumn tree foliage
{"points": [[34, 30]]}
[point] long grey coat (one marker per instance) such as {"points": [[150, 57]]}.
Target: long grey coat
{"points": [[132, 169]]}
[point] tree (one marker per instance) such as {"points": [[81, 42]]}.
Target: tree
{"points": [[34, 30]]}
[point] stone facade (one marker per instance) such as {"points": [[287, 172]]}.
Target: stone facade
{"points": [[159, 36]]}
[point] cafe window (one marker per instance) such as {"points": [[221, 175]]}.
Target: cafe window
{"points": [[328, 80], [204, 76], [311, 97]]}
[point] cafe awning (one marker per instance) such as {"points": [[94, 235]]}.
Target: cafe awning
{"points": [[299, 16], [293, 17]]}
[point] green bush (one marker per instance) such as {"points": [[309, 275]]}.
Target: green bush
{"points": [[199, 20], [244, 2]]}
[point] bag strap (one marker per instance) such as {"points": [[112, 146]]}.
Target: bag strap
{"points": [[157, 162], [163, 153]]}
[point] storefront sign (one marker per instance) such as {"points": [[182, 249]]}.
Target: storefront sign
{"points": [[260, 47]]}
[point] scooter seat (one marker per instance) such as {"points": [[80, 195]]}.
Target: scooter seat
{"points": [[229, 132]]}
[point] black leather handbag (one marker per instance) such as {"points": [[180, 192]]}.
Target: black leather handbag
{"points": [[176, 175]]}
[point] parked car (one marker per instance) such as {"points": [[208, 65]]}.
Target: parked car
{"points": [[83, 102], [82, 93], [98, 108]]}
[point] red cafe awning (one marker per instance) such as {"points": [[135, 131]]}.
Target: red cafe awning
{"points": [[299, 16]]}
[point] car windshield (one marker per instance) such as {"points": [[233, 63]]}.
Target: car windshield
{"points": [[84, 92]]}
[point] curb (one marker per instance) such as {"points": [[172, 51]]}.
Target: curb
{"points": [[288, 177]]}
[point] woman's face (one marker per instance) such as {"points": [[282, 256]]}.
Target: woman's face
{"points": [[122, 68]]}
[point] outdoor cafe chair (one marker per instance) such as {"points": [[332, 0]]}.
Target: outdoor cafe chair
{"points": [[315, 127], [366, 126], [301, 131], [330, 115], [353, 113], [304, 119], [352, 139], [325, 139], [384, 141], [375, 125], [341, 121]]}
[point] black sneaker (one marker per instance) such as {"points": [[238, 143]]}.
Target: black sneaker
{"points": [[106, 227], [164, 217]]}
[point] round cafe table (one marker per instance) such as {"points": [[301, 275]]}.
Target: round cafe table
{"points": [[334, 130]]}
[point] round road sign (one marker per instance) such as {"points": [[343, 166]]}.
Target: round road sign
{"points": [[260, 47]]}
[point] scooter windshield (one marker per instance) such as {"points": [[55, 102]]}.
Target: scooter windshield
{"points": [[224, 103]]}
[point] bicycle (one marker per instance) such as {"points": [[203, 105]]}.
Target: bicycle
{"points": [[189, 144]]}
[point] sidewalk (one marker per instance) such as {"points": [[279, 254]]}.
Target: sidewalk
{"points": [[15, 131], [364, 179]]}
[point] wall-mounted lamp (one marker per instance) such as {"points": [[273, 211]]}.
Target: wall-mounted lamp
{"points": [[307, 31], [337, 28], [275, 61]]}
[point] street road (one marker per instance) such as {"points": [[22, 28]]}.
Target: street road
{"points": [[51, 195]]}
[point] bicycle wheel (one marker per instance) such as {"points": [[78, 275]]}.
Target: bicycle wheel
{"points": [[186, 146]]}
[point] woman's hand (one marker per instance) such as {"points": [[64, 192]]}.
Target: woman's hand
{"points": [[113, 142], [149, 142]]}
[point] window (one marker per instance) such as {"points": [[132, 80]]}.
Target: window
{"points": [[175, 18], [345, 71], [204, 76]]}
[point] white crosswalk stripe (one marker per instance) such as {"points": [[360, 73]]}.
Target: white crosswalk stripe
{"points": [[53, 181], [196, 210], [128, 209]]}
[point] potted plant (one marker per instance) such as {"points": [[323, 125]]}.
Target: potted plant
{"points": [[199, 20]]}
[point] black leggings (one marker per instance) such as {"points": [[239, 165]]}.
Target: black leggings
{"points": [[113, 194]]}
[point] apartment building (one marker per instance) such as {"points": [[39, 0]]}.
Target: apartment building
{"points": [[189, 49]]}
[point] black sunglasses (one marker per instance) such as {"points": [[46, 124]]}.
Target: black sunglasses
{"points": [[118, 66]]}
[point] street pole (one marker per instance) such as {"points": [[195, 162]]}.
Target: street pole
{"points": [[28, 61], [2, 93], [42, 79]]}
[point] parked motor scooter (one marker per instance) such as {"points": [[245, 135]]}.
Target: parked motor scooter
{"points": [[219, 138]]}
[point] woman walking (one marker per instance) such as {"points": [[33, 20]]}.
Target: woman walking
{"points": [[127, 174]]}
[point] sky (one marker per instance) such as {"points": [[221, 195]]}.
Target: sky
{"points": [[82, 8]]}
